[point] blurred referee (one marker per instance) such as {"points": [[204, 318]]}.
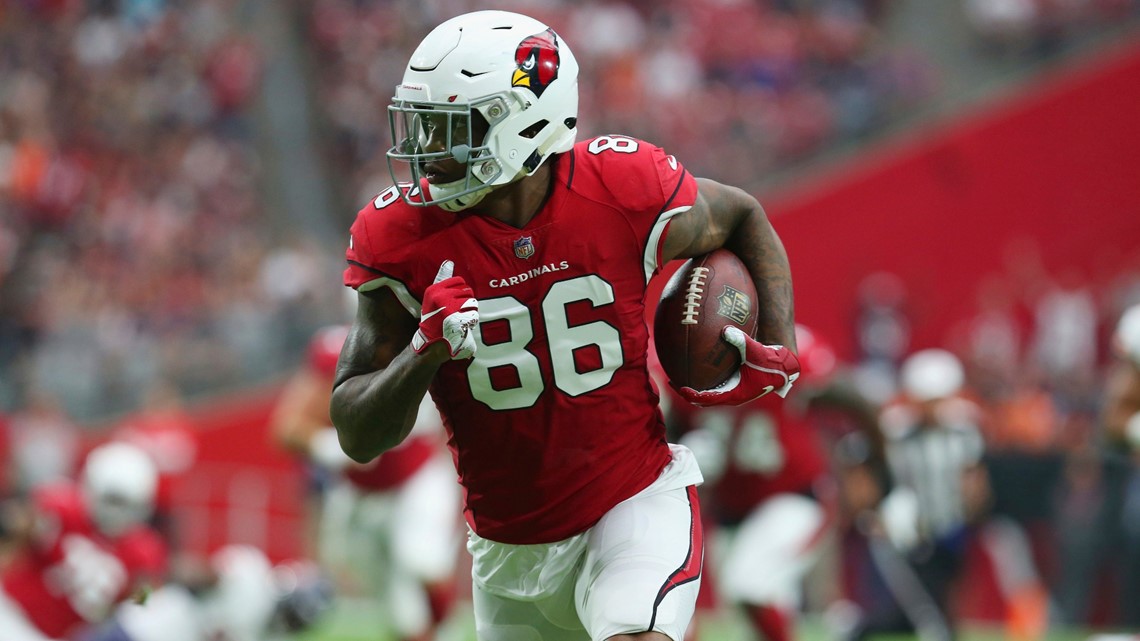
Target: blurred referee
{"points": [[934, 446], [934, 451]]}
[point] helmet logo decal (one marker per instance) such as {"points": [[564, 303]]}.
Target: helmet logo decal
{"points": [[536, 60]]}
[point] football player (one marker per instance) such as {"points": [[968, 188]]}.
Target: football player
{"points": [[236, 594], [767, 470], [509, 277], [390, 526], [86, 547]]}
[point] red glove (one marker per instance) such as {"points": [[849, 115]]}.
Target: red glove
{"points": [[449, 313], [763, 369]]}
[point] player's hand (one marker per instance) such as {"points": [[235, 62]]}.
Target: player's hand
{"points": [[898, 518], [449, 313], [763, 369]]}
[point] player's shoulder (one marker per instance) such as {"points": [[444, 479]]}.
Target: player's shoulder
{"points": [[617, 151], [59, 508], [389, 220], [64, 498], [627, 172]]}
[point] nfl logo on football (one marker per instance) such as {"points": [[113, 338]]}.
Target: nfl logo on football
{"points": [[524, 248]]}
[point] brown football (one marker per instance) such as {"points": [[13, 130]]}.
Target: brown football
{"points": [[707, 293]]}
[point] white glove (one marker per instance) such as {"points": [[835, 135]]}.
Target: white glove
{"points": [[898, 512]]}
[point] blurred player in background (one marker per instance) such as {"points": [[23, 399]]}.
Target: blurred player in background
{"points": [[163, 429], [390, 526], [766, 467], [510, 277], [1122, 426], [235, 595], [85, 547]]}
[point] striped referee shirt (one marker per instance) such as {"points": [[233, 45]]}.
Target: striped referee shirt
{"points": [[930, 459]]}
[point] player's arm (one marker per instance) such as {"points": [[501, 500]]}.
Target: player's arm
{"points": [[380, 380], [300, 422], [728, 217], [298, 414]]}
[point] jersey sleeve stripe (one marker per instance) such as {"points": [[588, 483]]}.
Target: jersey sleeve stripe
{"points": [[399, 289], [652, 258], [676, 190], [364, 267]]}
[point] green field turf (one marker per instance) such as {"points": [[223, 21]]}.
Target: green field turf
{"points": [[356, 621]]}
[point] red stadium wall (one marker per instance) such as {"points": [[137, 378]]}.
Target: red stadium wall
{"points": [[242, 489], [1057, 165]]}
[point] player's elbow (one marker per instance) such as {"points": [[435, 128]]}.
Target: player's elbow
{"points": [[359, 455], [353, 444], [363, 437], [351, 432]]}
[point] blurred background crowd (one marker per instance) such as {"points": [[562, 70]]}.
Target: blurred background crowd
{"points": [[177, 179]]}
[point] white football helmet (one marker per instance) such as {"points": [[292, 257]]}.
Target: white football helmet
{"points": [[932, 374], [119, 483], [1126, 338], [511, 70]]}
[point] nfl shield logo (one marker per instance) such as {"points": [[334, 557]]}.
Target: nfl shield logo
{"points": [[524, 248], [734, 305]]}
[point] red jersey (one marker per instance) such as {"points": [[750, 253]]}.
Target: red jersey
{"points": [[392, 468], [70, 574], [555, 420], [769, 448], [170, 439]]}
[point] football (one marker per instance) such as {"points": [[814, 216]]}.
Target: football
{"points": [[706, 294]]}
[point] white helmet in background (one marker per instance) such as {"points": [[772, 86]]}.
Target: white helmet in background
{"points": [[510, 70], [119, 483], [1126, 339], [932, 374]]}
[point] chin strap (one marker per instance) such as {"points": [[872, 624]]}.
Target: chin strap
{"points": [[461, 203]]}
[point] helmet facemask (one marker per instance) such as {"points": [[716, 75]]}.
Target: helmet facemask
{"points": [[427, 131]]}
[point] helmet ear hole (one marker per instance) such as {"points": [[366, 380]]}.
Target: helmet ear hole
{"points": [[533, 130]]}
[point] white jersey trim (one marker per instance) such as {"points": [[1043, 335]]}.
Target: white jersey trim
{"points": [[649, 261], [402, 294]]}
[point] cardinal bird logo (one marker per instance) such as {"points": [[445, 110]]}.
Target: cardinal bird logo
{"points": [[537, 62]]}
